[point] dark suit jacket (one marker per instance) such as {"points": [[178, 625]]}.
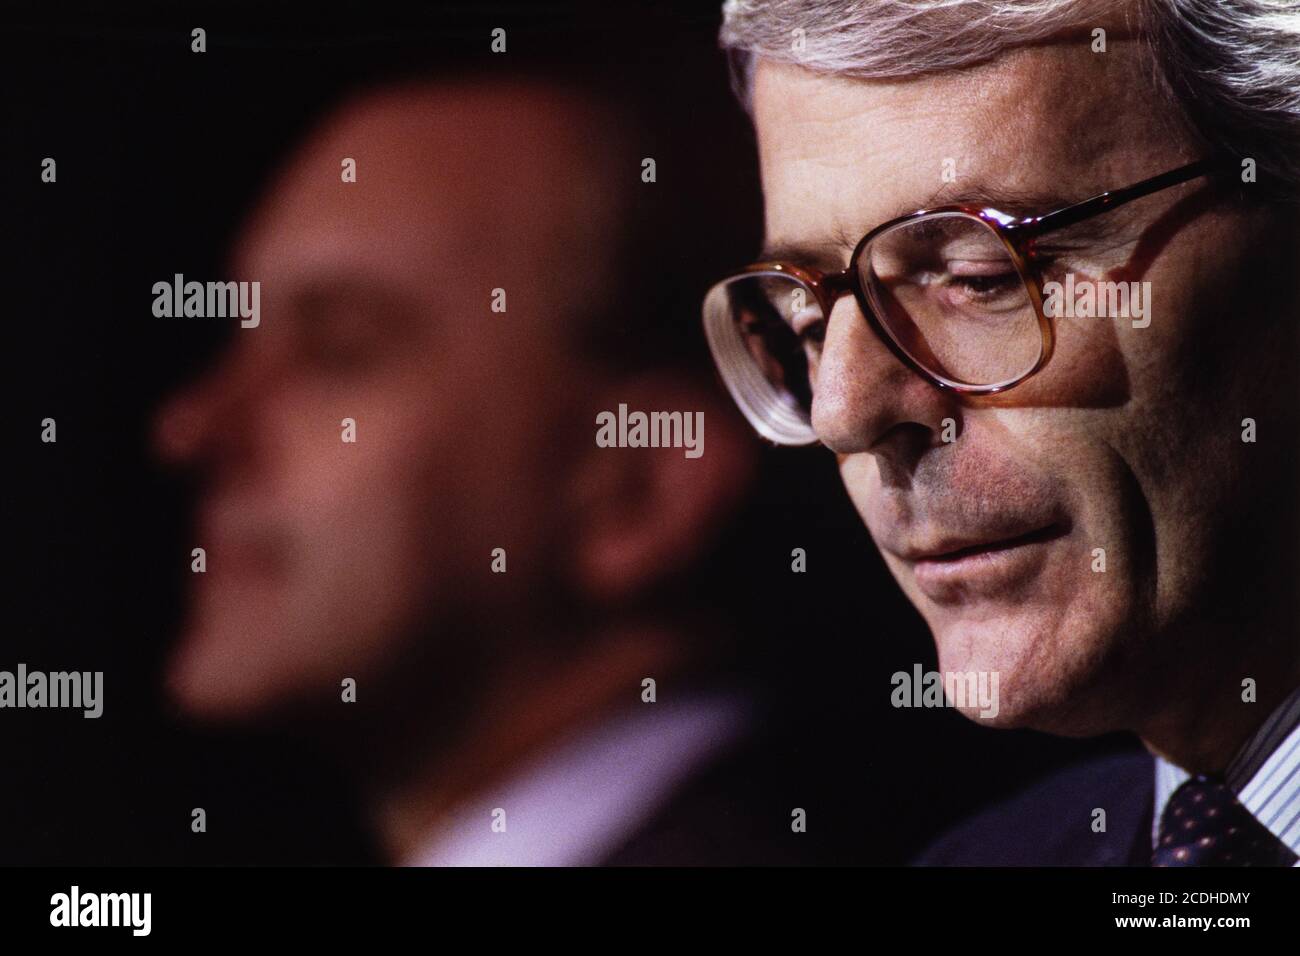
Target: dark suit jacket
{"points": [[737, 812], [1050, 824]]}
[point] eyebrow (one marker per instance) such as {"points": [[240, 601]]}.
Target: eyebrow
{"points": [[1022, 204], [352, 293], [1017, 202], [830, 254]]}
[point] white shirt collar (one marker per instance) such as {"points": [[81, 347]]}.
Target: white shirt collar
{"points": [[1265, 775], [581, 799]]}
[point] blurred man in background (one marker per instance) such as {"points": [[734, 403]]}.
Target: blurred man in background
{"points": [[536, 680]]}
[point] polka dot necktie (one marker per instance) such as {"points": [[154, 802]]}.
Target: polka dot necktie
{"points": [[1205, 825]]}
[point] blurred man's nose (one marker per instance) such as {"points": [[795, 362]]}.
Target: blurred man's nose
{"points": [[207, 416], [867, 399]]}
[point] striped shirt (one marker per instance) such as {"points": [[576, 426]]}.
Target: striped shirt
{"points": [[1265, 776]]}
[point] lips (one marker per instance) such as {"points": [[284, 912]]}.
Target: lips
{"points": [[244, 540], [954, 549], [959, 569]]}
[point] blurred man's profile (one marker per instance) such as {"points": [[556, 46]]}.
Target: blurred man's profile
{"points": [[464, 594]]}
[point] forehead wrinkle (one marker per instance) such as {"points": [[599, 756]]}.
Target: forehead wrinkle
{"points": [[1025, 139]]}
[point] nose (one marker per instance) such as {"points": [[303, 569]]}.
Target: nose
{"points": [[867, 400], [208, 417]]}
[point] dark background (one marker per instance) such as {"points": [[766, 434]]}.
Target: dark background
{"points": [[159, 152]]}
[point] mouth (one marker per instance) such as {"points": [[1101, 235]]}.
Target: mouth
{"points": [[957, 570], [956, 552], [243, 544]]}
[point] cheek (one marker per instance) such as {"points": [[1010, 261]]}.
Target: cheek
{"points": [[353, 455], [444, 467], [1088, 368], [1089, 597], [364, 516]]}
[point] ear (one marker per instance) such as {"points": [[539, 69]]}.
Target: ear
{"points": [[644, 513]]}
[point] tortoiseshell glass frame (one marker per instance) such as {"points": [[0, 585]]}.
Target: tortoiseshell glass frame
{"points": [[1017, 234]]}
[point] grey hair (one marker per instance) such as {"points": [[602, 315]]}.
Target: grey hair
{"points": [[1232, 65]]}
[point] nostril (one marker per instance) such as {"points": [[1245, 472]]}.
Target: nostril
{"points": [[898, 452], [907, 439]]}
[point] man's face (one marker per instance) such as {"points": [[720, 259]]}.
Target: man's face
{"points": [[323, 556], [1073, 529]]}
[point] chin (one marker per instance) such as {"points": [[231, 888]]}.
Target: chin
{"points": [[232, 672], [209, 683], [1038, 673]]}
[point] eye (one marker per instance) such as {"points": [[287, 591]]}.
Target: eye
{"points": [[339, 340], [987, 285], [982, 281], [351, 329], [809, 325], [981, 273]]}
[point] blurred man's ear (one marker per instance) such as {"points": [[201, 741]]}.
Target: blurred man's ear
{"points": [[641, 513]]}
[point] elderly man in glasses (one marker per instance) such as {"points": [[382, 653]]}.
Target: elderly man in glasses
{"points": [[1089, 495]]}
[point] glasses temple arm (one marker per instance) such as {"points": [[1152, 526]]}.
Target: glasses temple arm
{"points": [[1107, 201]]}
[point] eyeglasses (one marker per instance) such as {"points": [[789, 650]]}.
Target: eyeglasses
{"points": [[951, 291]]}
